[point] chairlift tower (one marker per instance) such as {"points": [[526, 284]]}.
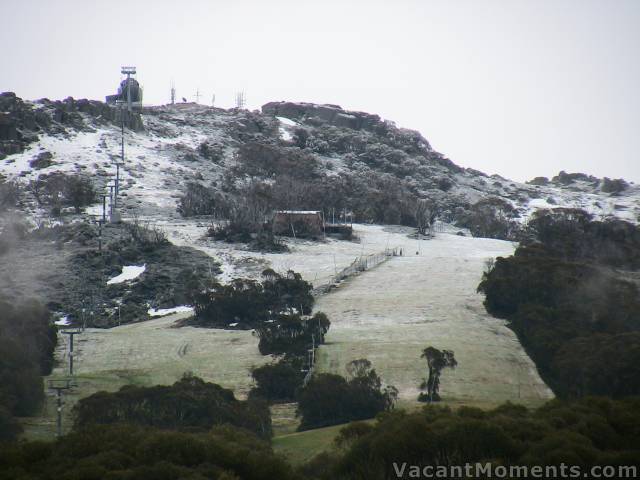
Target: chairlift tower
{"points": [[128, 71], [71, 332], [60, 386]]}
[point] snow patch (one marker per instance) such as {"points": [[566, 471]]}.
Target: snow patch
{"points": [[130, 272], [287, 121], [284, 135], [167, 311], [62, 322]]}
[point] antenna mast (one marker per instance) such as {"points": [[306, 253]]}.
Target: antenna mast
{"points": [[240, 100]]}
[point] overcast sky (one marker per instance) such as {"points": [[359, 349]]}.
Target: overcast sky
{"points": [[516, 87]]}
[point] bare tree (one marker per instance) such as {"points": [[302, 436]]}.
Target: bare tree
{"points": [[425, 215]]}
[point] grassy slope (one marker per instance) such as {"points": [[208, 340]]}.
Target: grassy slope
{"points": [[300, 447], [431, 299], [150, 353], [391, 313]]}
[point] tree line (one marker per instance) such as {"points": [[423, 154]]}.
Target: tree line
{"points": [[190, 404], [591, 431], [131, 452], [270, 177], [570, 295]]}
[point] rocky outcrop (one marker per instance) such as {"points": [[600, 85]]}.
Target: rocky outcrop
{"points": [[326, 113], [69, 112], [21, 122], [18, 124]]}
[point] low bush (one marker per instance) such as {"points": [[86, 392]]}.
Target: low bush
{"points": [[57, 190], [9, 194]]}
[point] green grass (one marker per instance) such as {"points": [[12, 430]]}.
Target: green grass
{"points": [[145, 354], [391, 313], [300, 447]]}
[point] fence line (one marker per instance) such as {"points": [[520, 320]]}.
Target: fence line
{"points": [[438, 226], [360, 264]]}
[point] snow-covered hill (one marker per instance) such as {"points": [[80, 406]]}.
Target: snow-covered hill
{"points": [[186, 143], [428, 294]]}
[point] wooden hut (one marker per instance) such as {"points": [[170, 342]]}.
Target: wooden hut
{"points": [[298, 223]]}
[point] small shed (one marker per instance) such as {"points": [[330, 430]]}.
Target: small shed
{"points": [[298, 223]]}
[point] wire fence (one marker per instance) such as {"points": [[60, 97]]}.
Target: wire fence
{"points": [[360, 264], [438, 226]]}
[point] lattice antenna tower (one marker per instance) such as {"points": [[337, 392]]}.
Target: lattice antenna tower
{"points": [[173, 93], [240, 100]]}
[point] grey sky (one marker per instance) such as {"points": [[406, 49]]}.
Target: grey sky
{"points": [[519, 88]]}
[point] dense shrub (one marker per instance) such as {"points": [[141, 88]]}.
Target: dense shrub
{"points": [[279, 381], [58, 190], [9, 194], [592, 431], [190, 403], [213, 152], [172, 277], [330, 399], [613, 186], [491, 218], [248, 303], [127, 452], [27, 341], [291, 334], [42, 160], [287, 178], [10, 428], [600, 364], [13, 232], [573, 311], [200, 200], [261, 159], [30, 324], [565, 178], [572, 234]]}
